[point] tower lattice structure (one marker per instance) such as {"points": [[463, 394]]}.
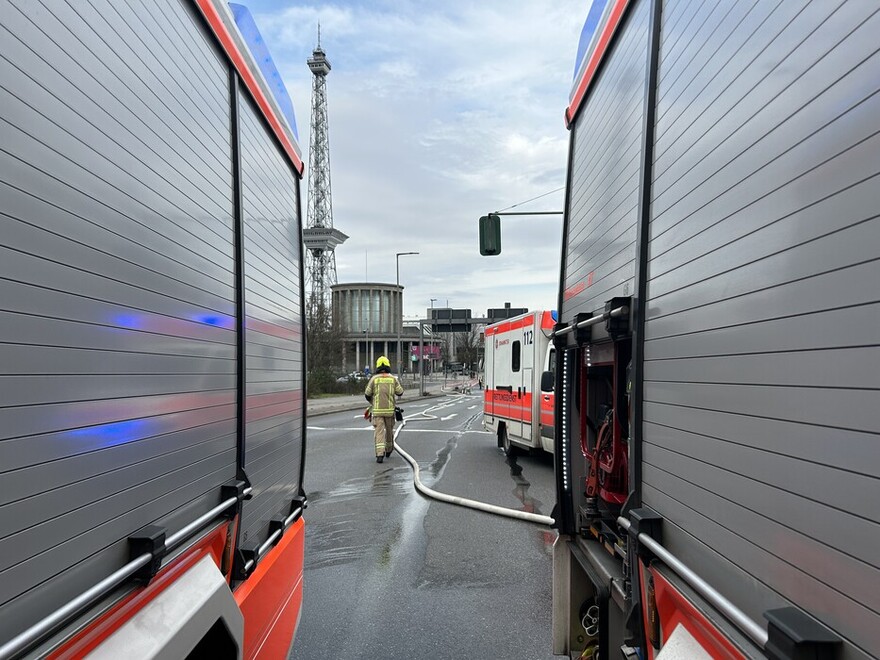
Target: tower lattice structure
{"points": [[319, 236]]}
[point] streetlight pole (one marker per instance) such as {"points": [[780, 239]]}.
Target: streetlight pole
{"points": [[400, 294], [422, 356]]}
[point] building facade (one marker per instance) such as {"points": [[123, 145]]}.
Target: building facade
{"points": [[370, 316]]}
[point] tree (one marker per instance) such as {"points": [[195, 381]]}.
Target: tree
{"points": [[324, 350], [470, 347]]}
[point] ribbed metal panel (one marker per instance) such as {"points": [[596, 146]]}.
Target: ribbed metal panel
{"points": [[604, 182], [117, 393], [763, 324], [274, 334]]}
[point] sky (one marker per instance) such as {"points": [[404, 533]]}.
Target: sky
{"points": [[439, 112]]}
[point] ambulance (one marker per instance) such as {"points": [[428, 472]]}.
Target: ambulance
{"points": [[517, 405]]}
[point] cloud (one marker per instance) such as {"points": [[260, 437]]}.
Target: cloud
{"points": [[439, 113]]}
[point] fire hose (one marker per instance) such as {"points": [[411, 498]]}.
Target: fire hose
{"points": [[454, 499]]}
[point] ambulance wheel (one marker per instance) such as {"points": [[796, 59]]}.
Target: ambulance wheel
{"points": [[509, 449]]}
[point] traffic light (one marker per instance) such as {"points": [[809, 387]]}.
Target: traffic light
{"points": [[490, 235]]}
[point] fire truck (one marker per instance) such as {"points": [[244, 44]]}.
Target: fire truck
{"points": [[517, 404], [152, 417], [718, 343]]}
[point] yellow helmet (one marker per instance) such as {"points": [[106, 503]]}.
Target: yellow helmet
{"points": [[383, 362]]}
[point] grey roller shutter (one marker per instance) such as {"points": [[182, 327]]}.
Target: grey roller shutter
{"points": [[274, 326], [117, 345], [600, 250], [763, 321]]}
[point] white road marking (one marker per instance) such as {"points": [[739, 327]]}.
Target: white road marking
{"points": [[415, 430], [448, 417], [324, 428], [408, 429], [472, 407]]}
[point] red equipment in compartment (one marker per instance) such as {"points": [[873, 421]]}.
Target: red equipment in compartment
{"points": [[613, 465], [608, 461]]}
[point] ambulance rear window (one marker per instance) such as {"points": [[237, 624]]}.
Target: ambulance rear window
{"points": [[514, 357]]}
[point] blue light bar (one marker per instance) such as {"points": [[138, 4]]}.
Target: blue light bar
{"points": [[254, 40], [591, 25]]}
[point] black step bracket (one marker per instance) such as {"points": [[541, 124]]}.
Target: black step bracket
{"points": [[583, 335], [247, 556], [793, 635], [276, 524], [235, 488], [645, 521], [300, 502], [147, 540], [617, 326], [246, 553], [559, 340]]}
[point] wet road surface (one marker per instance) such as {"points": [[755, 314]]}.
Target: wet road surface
{"points": [[390, 574]]}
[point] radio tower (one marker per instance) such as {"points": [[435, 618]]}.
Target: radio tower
{"points": [[319, 236]]}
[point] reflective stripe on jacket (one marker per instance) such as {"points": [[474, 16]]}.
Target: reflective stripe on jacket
{"points": [[383, 388]]}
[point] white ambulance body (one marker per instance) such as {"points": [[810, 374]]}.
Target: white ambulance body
{"points": [[518, 350]]}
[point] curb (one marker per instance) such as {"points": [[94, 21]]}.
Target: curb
{"points": [[345, 407]]}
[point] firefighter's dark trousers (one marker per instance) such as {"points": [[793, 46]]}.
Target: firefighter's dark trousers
{"points": [[383, 428]]}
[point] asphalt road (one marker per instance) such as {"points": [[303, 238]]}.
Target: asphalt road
{"points": [[391, 574]]}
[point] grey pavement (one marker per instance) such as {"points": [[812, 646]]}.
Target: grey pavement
{"points": [[390, 574]]}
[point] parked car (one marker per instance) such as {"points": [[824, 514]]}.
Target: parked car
{"points": [[353, 377]]}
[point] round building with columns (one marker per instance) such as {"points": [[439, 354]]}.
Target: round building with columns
{"points": [[370, 316]]}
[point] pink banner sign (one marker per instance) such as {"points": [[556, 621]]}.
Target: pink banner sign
{"points": [[432, 352]]}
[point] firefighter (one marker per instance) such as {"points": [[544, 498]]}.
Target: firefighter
{"points": [[381, 392]]}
